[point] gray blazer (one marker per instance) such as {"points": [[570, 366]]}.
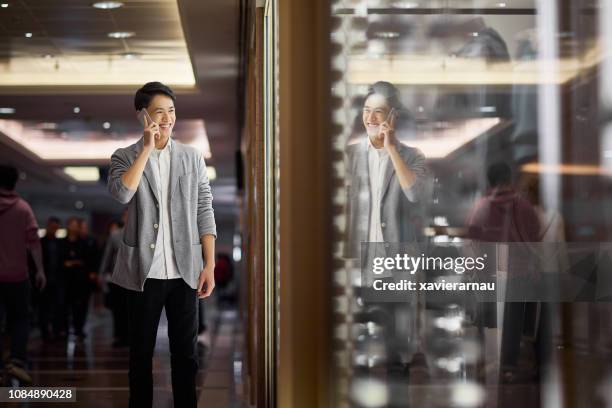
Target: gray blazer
{"points": [[191, 215], [400, 208]]}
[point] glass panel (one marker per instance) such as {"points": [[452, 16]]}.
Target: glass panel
{"points": [[475, 134]]}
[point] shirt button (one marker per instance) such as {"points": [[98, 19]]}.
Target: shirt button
{"points": [[155, 225], [152, 246], [383, 225]]}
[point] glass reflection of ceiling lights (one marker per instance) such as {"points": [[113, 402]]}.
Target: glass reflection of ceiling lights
{"points": [[117, 49], [73, 143]]}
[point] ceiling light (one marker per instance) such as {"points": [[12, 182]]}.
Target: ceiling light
{"points": [[386, 34], [475, 34], [130, 55], [121, 34], [28, 35], [83, 173], [404, 4], [76, 109], [4, 5], [48, 56], [7, 111], [48, 126], [211, 172], [106, 125], [107, 5], [502, 5]]}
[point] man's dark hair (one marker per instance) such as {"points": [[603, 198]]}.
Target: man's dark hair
{"points": [[499, 174], [144, 95], [54, 219], [8, 177], [390, 92]]}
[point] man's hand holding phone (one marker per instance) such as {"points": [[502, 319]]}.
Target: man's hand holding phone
{"points": [[387, 130], [151, 130]]}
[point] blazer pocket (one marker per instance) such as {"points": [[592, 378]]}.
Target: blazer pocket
{"points": [[189, 186], [127, 263], [197, 260]]}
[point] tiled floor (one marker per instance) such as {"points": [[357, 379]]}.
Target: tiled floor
{"points": [[100, 373]]}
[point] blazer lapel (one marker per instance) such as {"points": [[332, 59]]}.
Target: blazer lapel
{"points": [[148, 171], [389, 170], [175, 166]]}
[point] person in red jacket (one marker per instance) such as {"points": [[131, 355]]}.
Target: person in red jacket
{"points": [[18, 237]]}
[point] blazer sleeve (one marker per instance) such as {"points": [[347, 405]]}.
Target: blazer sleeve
{"points": [[206, 214], [119, 165], [415, 160]]}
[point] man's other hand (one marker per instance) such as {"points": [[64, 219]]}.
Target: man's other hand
{"points": [[206, 282]]}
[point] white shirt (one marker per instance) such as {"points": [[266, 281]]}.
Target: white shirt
{"points": [[377, 164], [164, 264]]}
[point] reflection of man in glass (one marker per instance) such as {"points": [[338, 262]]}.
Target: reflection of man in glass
{"points": [[385, 177]]}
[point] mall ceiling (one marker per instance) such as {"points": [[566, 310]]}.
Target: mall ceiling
{"points": [[66, 64]]}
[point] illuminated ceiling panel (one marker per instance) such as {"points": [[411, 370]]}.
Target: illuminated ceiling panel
{"points": [[90, 146], [63, 43]]}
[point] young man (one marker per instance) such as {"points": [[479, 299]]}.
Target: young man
{"points": [[386, 178], [386, 181], [18, 237], [170, 230]]}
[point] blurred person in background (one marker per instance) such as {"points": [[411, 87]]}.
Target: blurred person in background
{"points": [[503, 216], [91, 253], [78, 287], [115, 295], [48, 316], [18, 239]]}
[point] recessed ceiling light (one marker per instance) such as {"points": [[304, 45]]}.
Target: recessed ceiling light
{"points": [[130, 55], [47, 126], [106, 125], [7, 111], [386, 34], [83, 173], [502, 5], [4, 5], [76, 109], [107, 5], [211, 172], [28, 35], [405, 4], [121, 34]]}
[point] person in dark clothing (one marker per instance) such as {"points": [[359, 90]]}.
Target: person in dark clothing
{"points": [[503, 216], [116, 297], [48, 316], [77, 278], [18, 240], [91, 253]]}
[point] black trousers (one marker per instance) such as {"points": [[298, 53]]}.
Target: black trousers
{"points": [[118, 306], [78, 291], [14, 297], [144, 309]]}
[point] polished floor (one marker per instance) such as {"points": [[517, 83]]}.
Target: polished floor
{"points": [[99, 372]]}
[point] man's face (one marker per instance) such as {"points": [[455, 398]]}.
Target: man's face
{"points": [[161, 110], [375, 112]]}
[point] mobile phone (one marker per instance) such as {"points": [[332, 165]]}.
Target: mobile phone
{"points": [[141, 117], [392, 114]]}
